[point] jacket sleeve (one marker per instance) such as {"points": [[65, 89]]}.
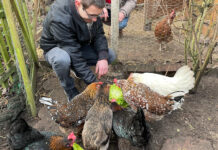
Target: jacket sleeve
{"points": [[128, 7], [100, 42], [67, 41]]}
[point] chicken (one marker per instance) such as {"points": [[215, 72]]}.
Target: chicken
{"points": [[73, 113], [156, 94], [22, 136], [132, 126], [163, 31], [98, 124]]}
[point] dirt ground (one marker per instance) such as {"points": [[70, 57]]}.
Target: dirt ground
{"points": [[194, 127]]}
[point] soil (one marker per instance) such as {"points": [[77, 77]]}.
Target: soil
{"points": [[194, 127]]}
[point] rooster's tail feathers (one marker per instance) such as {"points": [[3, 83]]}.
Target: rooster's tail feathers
{"points": [[184, 78]]}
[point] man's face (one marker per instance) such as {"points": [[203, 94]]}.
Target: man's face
{"points": [[89, 14]]}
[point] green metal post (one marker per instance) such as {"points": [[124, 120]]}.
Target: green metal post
{"points": [[19, 54], [25, 32]]}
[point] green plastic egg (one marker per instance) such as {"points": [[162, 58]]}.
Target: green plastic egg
{"points": [[77, 147], [117, 94]]}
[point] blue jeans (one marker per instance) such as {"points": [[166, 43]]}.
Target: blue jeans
{"points": [[123, 23], [61, 63]]}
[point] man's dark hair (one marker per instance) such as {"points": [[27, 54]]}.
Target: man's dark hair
{"points": [[97, 3]]}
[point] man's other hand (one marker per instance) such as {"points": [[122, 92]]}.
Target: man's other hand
{"points": [[105, 14], [121, 16], [101, 68]]}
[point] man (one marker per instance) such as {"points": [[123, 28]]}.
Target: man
{"points": [[126, 6], [73, 38]]}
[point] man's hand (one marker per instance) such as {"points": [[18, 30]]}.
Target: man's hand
{"points": [[105, 14], [101, 68], [121, 16]]}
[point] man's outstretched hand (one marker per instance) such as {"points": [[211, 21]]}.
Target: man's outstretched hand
{"points": [[101, 68]]}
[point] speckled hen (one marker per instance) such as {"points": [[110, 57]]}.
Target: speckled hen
{"points": [[73, 113]]}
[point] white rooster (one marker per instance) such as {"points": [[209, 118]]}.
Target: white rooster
{"points": [[182, 81]]}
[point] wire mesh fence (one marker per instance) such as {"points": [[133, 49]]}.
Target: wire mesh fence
{"points": [[141, 46], [139, 43]]}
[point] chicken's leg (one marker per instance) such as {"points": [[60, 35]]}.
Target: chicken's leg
{"points": [[165, 46], [161, 45]]}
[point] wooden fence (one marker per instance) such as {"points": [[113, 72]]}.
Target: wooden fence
{"points": [[13, 66]]}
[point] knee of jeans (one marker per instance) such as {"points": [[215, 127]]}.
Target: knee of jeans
{"points": [[112, 56], [61, 64]]}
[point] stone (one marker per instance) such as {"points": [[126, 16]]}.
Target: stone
{"points": [[186, 143]]}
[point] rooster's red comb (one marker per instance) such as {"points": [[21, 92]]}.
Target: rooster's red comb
{"points": [[100, 83], [115, 80], [72, 137]]}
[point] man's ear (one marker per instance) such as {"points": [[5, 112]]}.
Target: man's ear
{"points": [[77, 3]]}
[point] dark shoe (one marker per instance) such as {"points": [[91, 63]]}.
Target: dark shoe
{"points": [[71, 93], [120, 33]]}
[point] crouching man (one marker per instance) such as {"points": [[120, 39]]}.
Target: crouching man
{"points": [[73, 38]]}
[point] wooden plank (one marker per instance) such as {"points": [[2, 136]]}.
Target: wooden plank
{"points": [[114, 24], [19, 56], [35, 17], [154, 67], [4, 77]]}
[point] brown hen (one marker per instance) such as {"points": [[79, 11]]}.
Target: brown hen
{"points": [[98, 124], [73, 113], [163, 31]]}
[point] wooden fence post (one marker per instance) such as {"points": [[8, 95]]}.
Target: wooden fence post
{"points": [[35, 17], [114, 24]]}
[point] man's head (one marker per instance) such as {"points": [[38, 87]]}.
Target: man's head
{"points": [[89, 10]]}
